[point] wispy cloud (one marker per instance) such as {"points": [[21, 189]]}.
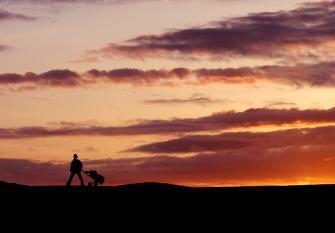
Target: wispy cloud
{"points": [[91, 149], [319, 136], [4, 47], [197, 99], [6, 15], [279, 103], [216, 122], [67, 2]]}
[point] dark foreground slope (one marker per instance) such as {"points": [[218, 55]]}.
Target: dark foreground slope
{"points": [[167, 203], [159, 191]]}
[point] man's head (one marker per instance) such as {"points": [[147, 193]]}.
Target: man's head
{"points": [[75, 156]]}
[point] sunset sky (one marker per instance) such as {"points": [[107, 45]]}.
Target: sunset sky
{"points": [[190, 92]]}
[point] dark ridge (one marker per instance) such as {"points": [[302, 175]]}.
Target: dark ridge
{"points": [[6, 185], [166, 186], [154, 187], [159, 199]]}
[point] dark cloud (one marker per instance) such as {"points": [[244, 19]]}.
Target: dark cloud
{"points": [[139, 77], [58, 78], [321, 74], [4, 47], [317, 75], [300, 75], [216, 122], [320, 136], [70, 79], [5, 15], [53, 78], [270, 34]]}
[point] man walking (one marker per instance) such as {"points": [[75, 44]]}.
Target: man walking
{"points": [[76, 168]]}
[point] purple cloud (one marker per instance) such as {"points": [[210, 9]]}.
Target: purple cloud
{"points": [[270, 34], [300, 75], [216, 122], [319, 136]]}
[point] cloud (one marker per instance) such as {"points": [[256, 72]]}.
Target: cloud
{"points": [[71, 124], [279, 103], [216, 122], [139, 77], [52, 78], [5, 16], [71, 79], [315, 75], [319, 136], [300, 75], [4, 47], [91, 149], [295, 33], [32, 172], [250, 166], [194, 99], [41, 99], [62, 2]]}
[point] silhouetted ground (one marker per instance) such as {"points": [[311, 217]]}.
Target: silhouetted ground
{"points": [[169, 205], [154, 191]]}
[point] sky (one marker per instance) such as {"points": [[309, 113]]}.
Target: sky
{"points": [[190, 92]]}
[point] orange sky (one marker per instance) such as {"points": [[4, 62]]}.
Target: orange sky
{"points": [[118, 76]]}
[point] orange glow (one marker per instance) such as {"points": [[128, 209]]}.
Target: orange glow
{"points": [[72, 82]]}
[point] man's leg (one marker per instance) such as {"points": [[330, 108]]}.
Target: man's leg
{"points": [[81, 179], [70, 179]]}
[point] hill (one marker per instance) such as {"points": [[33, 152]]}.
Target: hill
{"points": [[166, 201], [160, 190]]}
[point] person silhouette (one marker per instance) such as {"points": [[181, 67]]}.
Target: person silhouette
{"points": [[75, 169]]}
